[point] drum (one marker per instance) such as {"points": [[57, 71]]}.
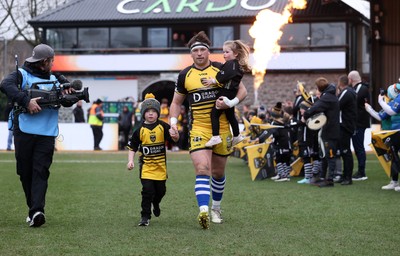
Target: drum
{"points": [[316, 121]]}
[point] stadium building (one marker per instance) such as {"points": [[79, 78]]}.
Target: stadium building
{"points": [[122, 48]]}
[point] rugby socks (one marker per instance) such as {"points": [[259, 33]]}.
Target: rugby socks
{"points": [[202, 190], [280, 169], [217, 188], [308, 170]]}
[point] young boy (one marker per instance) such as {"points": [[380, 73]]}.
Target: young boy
{"points": [[149, 138]]}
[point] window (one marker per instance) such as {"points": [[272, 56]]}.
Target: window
{"points": [[328, 34], [220, 35], [245, 36], [126, 37], [157, 37], [295, 35], [93, 38], [62, 38]]}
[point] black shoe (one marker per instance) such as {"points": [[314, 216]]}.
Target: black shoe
{"points": [[38, 220], [359, 177], [156, 210], [144, 222], [346, 182], [325, 184]]}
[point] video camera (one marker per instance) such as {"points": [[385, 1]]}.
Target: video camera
{"points": [[55, 97]]}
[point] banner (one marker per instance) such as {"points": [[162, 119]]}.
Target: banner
{"points": [[261, 161]]}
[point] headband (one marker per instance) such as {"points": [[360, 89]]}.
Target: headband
{"points": [[199, 45]]}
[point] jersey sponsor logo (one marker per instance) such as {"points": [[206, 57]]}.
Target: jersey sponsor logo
{"points": [[206, 95], [153, 150]]}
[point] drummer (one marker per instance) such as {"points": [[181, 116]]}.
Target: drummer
{"points": [[329, 105]]}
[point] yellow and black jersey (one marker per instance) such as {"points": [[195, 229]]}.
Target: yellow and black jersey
{"points": [[149, 140], [201, 98]]}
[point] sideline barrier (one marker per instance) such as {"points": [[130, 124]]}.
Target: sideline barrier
{"points": [[74, 136]]}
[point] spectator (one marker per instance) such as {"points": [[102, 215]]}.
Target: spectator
{"points": [[96, 116], [78, 113], [363, 122], [124, 125]]}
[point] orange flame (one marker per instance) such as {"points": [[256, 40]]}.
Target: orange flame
{"points": [[266, 32]]}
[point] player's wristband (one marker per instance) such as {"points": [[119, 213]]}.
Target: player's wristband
{"points": [[173, 120], [232, 103]]}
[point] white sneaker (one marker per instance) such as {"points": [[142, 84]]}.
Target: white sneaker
{"points": [[392, 185], [213, 141], [397, 189], [216, 216], [275, 177], [282, 179], [236, 140]]}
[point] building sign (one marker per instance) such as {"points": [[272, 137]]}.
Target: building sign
{"points": [[164, 6], [177, 62]]}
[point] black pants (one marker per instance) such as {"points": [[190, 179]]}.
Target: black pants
{"points": [[97, 135], [329, 161], [345, 153], [34, 155], [152, 193]]}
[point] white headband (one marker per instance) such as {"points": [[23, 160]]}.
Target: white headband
{"points": [[199, 45]]}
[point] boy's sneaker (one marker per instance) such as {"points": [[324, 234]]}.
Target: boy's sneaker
{"points": [[359, 177], [275, 177], [236, 140], [38, 219], [392, 185], [216, 216], [281, 179], [144, 222], [397, 189], [213, 141], [338, 179], [156, 210], [204, 220], [304, 181]]}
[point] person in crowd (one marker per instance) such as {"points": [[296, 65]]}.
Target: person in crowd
{"points": [[390, 112], [209, 163], [177, 40], [150, 139], [347, 118], [363, 122], [306, 138], [78, 113], [329, 105], [125, 125], [7, 111], [96, 116], [35, 127], [236, 55], [282, 143]]}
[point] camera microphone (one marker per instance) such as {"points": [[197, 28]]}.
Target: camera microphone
{"points": [[61, 78], [75, 84]]}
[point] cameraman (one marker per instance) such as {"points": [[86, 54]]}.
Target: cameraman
{"points": [[35, 127]]}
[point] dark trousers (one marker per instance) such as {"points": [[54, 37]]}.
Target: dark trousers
{"points": [[34, 155], [345, 153], [358, 144], [152, 193], [230, 115], [329, 161], [97, 135]]}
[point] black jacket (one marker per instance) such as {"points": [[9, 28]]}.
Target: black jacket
{"points": [[363, 96], [329, 105], [348, 109]]}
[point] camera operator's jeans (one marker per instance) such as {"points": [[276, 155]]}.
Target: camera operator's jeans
{"points": [[358, 144], [34, 155]]}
